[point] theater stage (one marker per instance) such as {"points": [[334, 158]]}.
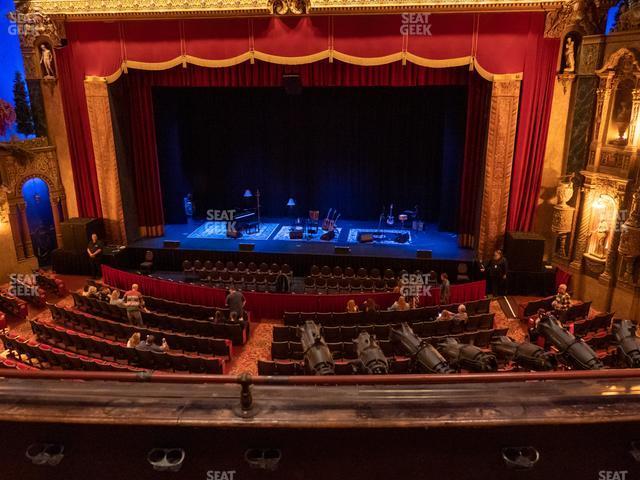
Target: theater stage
{"points": [[199, 241]]}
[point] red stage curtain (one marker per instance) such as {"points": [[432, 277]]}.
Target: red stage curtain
{"points": [[533, 126], [478, 103], [76, 117]]}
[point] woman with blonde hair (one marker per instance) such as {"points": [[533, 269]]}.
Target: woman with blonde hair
{"points": [[400, 305], [134, 341], [352, 307], [114, 298]]}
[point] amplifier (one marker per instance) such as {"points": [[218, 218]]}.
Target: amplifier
{"points": [[247, 247], [342, 250], [171, 243], [295, 234], [365, 238]]}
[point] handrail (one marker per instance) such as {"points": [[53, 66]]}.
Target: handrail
{"points": [[302, 380]]}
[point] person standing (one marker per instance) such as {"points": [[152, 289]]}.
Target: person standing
{"points": [[445, 289], [497, 269], [235, 301], [134, 303], [94, 250]]}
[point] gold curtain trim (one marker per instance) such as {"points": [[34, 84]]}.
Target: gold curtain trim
{"points": [[316, 57]]}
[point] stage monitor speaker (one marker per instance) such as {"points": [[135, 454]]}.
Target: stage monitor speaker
{"points": [[365, 238], [401, 238], [342, 250], [524, 251], [171, 243], [424, 254], [77, 231], [247, 247], [292, 83], [328, 236]]}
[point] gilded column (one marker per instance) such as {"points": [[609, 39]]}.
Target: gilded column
{"points": [[16, 228], [106, 163], [55, 208], [503, 120], [582, 237], [26, 234]]}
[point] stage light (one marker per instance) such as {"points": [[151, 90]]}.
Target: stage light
{"points": [[247, 193], [291, 202]]}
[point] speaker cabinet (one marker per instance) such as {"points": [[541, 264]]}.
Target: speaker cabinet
{"points": [[342, 250], [424, 254], [171, 243], [247, 247], [524, 251], [295, 234], [77, 231]]}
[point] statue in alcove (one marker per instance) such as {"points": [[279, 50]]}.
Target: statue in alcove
{"points": [[569, 56], [46, 62], [602, 235]]}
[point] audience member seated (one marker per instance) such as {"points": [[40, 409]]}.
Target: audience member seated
{"points": [[91, 292], [134, 340], [400, 305], [104, 294], [352, 307], [149, 344], [532, 326], [218, 317], [114, 298], [462, 313], [562, 302], [445, 315]]}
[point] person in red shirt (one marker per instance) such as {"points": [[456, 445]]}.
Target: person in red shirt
{"points": [[133, 301]]}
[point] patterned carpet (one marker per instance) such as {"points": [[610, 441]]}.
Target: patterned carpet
{"points": [[219, 230], [389, 236], [283, 234], [245, 359]]}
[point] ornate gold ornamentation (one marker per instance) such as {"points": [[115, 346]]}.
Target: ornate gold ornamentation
{"points": [[503, 121], [93, 9], [588, 16], [615, 159], [628, 17], [289, 7], [106, 162], [33, 23]]}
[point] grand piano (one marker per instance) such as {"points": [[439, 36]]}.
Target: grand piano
{"points": [[244, 221]]}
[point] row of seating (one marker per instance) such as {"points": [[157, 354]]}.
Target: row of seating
{"points": [[119, 331], [9, 363], [41, 355], [77, 342], [344, 285], [29, 293], [253, 282], [575, 312], [13, 305], [162, 305], [51, 283], [345, 333], [238, 333], [347, 350], [381, 317], [201, 270], [599, 322]]}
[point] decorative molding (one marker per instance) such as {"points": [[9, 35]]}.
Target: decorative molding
{"points": [[33, 23], [106, 163], [103, 9], [503, 121], [586, 16], [289, 7], [628, 16]]}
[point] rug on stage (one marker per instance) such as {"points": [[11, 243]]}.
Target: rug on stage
{"points": [[283, 234], [218, 230], [386, 237]]}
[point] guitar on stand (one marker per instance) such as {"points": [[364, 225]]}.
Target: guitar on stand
{"points": [[328, 219], [331, 228], [390, 219]]}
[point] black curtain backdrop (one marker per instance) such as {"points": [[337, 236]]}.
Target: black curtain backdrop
{"points": [[354, 149]]}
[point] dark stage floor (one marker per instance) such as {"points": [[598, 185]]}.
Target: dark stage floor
{"points": [[274, 239]]}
